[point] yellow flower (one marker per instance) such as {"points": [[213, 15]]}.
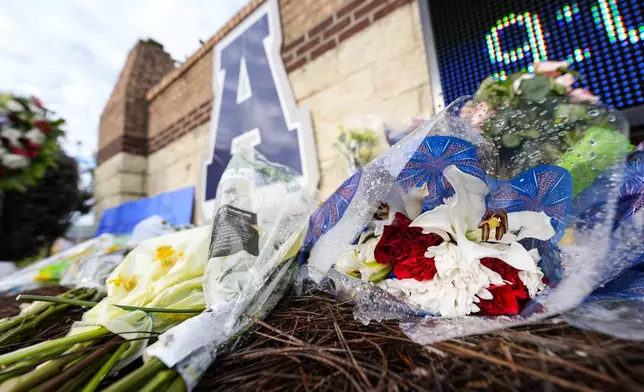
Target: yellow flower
{"points": [[43, 276], [168, 258], [164, 252], [112, 249], [128, 282]]}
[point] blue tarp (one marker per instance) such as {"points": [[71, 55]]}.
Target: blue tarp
{"points": [[175, 207]]}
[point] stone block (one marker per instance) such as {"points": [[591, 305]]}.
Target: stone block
{"points": [[401, 73], [383, 40]]}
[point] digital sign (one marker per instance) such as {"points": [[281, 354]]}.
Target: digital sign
{"points": [[602, 39]]}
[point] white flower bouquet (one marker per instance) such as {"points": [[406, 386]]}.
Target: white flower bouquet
{"points": [[260, 218], [449, 237]]}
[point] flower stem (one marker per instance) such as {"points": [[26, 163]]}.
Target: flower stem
{"points": [[177, 385], [56, 300], [28, 381], [161, 310], [44, 298], [106, 368], [34, 319], [77, 382], [159, 381], [28, 365], [27, 352], [73, 370], [134, 380], [35, 309]]}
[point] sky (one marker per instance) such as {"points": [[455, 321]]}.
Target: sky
{"points": [[69, 53]]}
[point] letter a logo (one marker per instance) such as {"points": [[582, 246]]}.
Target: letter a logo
{"points": [[254, 105]]}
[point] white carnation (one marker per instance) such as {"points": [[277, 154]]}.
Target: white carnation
{"points": [[13, 135], [533, 280], [14, 106], [35, 136], [13, 161]]}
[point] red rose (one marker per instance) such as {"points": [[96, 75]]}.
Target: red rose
{"points": [[43, 126], [508, 298], [19, 151], [36, 102], [400, 242], [417, 267]]}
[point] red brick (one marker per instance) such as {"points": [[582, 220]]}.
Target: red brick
{"points": [[321, 26], [323, 48], [297, 64], [348, 8], [308, 45], [293, 44], [388, 9], [337, 27], [355, 28], [367, 8]]}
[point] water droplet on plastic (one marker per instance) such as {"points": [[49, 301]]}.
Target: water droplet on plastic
{"points": [[592, 142], [592, 155], [593, 112]]}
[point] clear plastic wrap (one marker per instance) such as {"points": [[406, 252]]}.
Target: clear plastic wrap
{"points": [[541, 168], [92, 270], [30, 277], [617, 306], [259, 221]]}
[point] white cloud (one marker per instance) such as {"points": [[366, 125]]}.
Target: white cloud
{"points": [[69, 52]]}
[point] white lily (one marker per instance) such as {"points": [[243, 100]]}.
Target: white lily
{"points": [[360, 262], [459, 218]]}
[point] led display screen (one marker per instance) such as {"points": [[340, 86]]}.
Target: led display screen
{"points": [[602, 39]]}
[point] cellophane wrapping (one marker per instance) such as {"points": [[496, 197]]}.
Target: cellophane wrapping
{"points": [[617, 306], [553, 155], [260, 217]]}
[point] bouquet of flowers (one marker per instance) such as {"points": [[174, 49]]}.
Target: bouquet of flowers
{"points": [[448, 236], [539, 118], [356, 145], [28, 141], [157, 286], [260, 217]]}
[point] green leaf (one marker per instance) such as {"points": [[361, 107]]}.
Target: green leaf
{"points": [[535, 89], [597, 151]]}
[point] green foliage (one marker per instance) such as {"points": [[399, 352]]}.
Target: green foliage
{"points": [[24, 120], [598, 150]]}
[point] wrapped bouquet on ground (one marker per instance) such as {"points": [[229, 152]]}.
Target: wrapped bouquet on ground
{"points": [[259, 221], [453, 235], [157, 286], [83, 269]]}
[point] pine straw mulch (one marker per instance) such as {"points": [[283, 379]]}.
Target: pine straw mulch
{"points": [[312, 343]]}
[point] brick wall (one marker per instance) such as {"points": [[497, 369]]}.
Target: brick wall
{"points": [[299, 16], [373, 47], [178, 102], [336, 27], [124, 121], [183, 99]]}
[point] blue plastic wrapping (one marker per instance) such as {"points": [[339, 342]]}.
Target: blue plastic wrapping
{"points": [[175, 207]]}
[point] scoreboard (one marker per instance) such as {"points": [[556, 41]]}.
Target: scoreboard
{"points": [[602, 39]]}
